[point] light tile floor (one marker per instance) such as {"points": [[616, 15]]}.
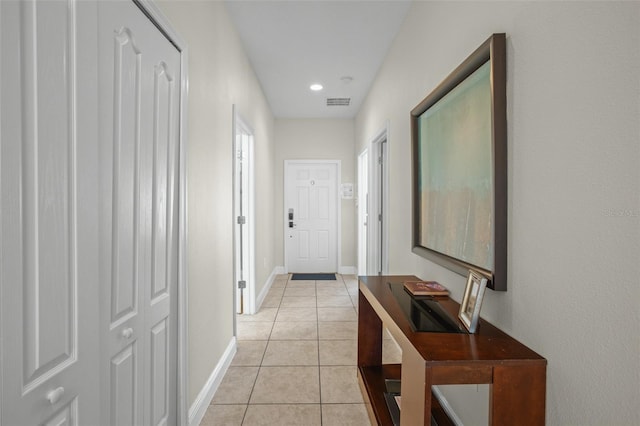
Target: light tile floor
{"points": [[296, 359]]}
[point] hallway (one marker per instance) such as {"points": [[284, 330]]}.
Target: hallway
{"points": [[296, 359]]}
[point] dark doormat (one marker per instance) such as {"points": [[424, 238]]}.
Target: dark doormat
{"points": [[316, 277]]}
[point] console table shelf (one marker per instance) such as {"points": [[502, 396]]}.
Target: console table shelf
{"points": [[517, 374]]}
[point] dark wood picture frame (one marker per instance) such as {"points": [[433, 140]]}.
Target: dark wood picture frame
{"points": [[493, 50]]}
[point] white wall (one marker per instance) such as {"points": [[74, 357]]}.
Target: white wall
{"points": [[574, 188], [317, 139], [219, 76]]}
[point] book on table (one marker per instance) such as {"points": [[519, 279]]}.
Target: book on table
{"points": [[426, 288]]}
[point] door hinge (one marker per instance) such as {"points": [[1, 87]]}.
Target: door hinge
{"points": [[242, 220], [242, 284], [380, 217], [380, 160]]}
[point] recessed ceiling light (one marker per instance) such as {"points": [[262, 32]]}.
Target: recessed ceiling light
{"points": [[315, 87]]}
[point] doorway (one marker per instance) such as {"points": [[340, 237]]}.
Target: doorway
{"points": [[244, 229], [363, 211], [377, 224], [311, 215]]}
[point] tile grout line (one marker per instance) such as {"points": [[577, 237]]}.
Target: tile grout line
{"points": [[270, 339], [262, 360], [318, 341]]}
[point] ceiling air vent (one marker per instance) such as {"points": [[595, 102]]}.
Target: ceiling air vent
{"points": [[338, 101]]}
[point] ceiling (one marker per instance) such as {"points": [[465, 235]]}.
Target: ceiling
{"points": [[339, 44]]}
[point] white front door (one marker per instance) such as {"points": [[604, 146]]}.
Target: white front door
{"points": [[139, 93], [311, 216], [49, 223]]}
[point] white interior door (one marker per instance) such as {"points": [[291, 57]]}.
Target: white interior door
{"points": [[49, 256], [311, 217], [139, 93], [244, 224]]}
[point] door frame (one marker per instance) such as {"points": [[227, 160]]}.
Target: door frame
{"points": [[250, 307], [363, 209], [378, 254], [161, 22], [338, 164]]}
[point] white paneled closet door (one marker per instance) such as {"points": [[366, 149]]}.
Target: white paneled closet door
{"points": [[139, 73], [89, 116], [49, 223]]}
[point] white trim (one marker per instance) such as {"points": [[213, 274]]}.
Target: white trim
{"points": [[239, 123], [339, 214], [338, 164], [160, 20], [446, 406], [374, 195], [202, 401], [183, 232]]}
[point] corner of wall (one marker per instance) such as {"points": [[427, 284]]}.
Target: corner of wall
{"points": [[267, 286], [348, 270]]}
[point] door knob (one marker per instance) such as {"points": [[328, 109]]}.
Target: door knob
{"points": [[127, 333], [55, 395]]}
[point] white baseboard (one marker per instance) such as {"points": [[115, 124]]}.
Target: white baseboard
{"points": [[348, 270], [446, 406], [278, 270], [200, 405]]}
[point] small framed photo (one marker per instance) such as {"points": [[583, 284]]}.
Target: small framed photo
{"points": [[472, 301]]}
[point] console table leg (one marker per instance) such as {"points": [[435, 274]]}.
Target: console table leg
{"points": [[518, 395], [415, 390], [369, 334]]}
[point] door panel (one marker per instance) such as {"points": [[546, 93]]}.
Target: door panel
{"points": [[67, 416], [160, 371], [323, 245], [303, 245], [124, 387], [125, 227], [162, 138], [140, 69], [303, 203], [49, 257], [125, 198], [49, 176], [311, 191]]}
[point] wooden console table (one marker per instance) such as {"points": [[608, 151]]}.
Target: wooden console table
{"points": [[516, 374]]}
